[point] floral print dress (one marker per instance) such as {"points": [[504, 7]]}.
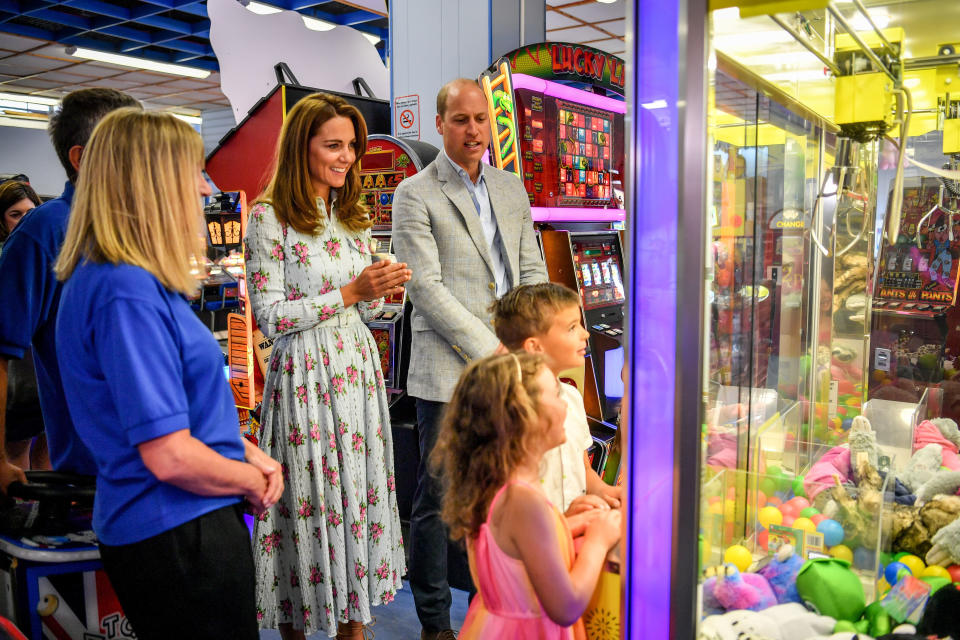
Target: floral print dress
{"points": [[331, 547]]}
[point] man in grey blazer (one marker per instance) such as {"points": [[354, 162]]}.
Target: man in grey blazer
{"points": [[464, 229]]}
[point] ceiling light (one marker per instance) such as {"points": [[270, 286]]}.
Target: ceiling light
{"points": [[26, 97], [317, 25], [23, 123], [656, 104], [188, 119], [137, 63], [374, 39], [262, 9], [606, 1]]}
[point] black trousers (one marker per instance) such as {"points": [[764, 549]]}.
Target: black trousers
{"points": [[193, 581], [429, 538]]}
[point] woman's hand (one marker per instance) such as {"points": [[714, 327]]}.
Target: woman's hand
{"points": [[378, 280]]}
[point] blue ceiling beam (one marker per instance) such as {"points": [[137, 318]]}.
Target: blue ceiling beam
{"points": [[354, 17], [101, 8]]}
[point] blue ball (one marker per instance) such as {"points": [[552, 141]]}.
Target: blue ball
{"points": [[846, 424], [892, 572], [863, 559], [832, 532]]}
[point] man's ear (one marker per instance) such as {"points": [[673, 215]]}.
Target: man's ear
{"points": [[439, 124], [74, 154]]}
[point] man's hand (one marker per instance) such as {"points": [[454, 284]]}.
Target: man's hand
{"points": [[10, 472], [271, 471]]}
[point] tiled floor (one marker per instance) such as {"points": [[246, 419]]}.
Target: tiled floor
{"points": [[398, 620]]}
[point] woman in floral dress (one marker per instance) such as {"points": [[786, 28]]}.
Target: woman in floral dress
{"points": [[331, 547]]}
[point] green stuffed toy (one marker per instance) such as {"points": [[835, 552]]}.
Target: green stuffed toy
{"points": [[830, 587]]}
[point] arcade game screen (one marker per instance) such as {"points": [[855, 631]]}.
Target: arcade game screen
{"points": [[572, 153], [598, 267], [381, 170]]}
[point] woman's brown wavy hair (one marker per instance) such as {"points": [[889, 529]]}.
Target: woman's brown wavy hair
{"points": [[486, 433], [290, 191]]}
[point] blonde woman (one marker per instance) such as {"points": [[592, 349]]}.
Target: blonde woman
{"points": [[331, 547], [145, 387]]}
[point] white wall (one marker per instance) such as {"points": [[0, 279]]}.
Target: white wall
{"points": [[29, 151], [433, 42]]}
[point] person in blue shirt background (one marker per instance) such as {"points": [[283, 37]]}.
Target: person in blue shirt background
{"points": [[145, 387], [31, 293]]}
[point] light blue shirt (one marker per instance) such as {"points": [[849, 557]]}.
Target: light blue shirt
{"points": [[481, 200]]}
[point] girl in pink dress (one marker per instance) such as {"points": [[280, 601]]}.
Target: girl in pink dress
{"points": [[506, 412]]}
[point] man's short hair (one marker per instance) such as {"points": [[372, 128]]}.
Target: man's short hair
{"points": [[528, 310], [445, 91], [77, 116]]}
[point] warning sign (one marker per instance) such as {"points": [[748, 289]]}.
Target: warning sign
{"points": [[407, 117]]}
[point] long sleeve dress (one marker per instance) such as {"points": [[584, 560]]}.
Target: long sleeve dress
{"points": [[331, 547]]}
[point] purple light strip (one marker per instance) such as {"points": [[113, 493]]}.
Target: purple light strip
{"points": [[651, 323], [562, 91], [577, 214]]}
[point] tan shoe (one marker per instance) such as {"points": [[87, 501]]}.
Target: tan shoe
{"points": [[445, 634]]}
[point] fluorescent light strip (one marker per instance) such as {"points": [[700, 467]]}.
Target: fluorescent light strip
{"points": [[187, 119], [137, 63], [262, 9], [23, 123], [317, 25], [562, 91], [26, 97]]}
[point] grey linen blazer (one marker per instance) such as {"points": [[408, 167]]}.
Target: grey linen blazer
{"points": [[437, 232]]}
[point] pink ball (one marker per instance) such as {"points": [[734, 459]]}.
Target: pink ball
{"points": [[789, 509], [788, 520], [802, 503], [818, 518], [774, 501], [763, 539]]}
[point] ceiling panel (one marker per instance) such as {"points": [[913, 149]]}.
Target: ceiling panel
{"points": [[16, 43], [579, 35], [555, 20], [600, 25]]}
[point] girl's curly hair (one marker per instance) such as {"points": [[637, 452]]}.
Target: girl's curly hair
{"points": [[486, 433]]}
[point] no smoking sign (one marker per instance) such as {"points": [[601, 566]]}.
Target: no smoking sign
{"points": [[407, 117]]}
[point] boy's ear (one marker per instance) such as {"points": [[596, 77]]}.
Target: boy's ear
{"points": [[532, 345]]}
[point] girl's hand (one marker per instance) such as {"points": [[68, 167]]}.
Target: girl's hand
{"points": [[605, 529], [578, 523], [585, 502], [377, 280]]}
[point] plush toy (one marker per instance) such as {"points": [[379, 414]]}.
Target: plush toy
{"points": [[945, 549], [798, 623], [923, 464], [859, 517], [781, 572], [948, 428], [863, 441], [940, 616], [914, 529], [731, 589], [739, 625]]}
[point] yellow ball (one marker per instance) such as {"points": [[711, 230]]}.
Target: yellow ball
{"points": [[882, 587], [769, 516], [804, 524], [935, 571], [715, 509], [842, 552], [913, 563], [739, 556], [729, 509]]}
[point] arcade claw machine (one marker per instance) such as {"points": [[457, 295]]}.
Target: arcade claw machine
{"points": [[557, 113]]}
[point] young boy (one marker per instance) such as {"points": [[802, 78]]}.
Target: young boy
{"points": [[545, 318]]}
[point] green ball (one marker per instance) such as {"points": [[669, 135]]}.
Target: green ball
{"points": [[774, 471], [785, 481], [809, 511], [900, 554], [768, 486], [798, 487]]}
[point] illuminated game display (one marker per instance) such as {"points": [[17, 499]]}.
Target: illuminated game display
{"points": [[598, 269]]}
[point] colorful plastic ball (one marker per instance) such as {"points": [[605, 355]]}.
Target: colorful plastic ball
{"points": [[809, 512], [789, 509], [774, 501], [769, 516], [768, 486], [715, 509], [802, 503], [763, 539], [731, 493], [788, 520], [882, 586], [900, 554], [954, 571], [785, 481], [713, 499], [818, 518], [864, 559], [842, 552], [832, 532], [729, 509], [912, 562], [774, 471], [739, 556], [894, 571], [935, 571], [805, 525], [847, 423], [798, 489]]}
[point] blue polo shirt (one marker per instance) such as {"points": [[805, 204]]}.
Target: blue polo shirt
{"points": [[138, 364], [30, 295]]}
